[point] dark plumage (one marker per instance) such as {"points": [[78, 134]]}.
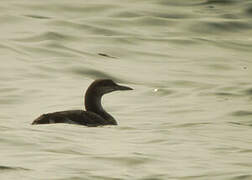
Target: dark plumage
{"points": [[94, 115]]}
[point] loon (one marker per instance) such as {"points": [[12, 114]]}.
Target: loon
{"points": [[94, 115]]}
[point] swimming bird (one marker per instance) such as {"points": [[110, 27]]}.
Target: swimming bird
{"points": [[94, 115]]}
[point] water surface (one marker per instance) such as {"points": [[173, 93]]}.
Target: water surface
{"points": [[189, 117]]}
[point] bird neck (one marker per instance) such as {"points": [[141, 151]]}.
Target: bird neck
{"points": [[93, 104]]}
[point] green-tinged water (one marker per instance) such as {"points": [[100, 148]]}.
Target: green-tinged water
{"points": [[189, 62]]}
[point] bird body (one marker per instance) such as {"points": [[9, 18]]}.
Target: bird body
{"points": [[94, 115]]}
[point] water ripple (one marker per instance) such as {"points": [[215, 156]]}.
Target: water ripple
{"points": [[37, 16], [47, 36], [223, 26], [11, 168], [96, 74], [221, 2], [127, 161], [242, 113]]}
